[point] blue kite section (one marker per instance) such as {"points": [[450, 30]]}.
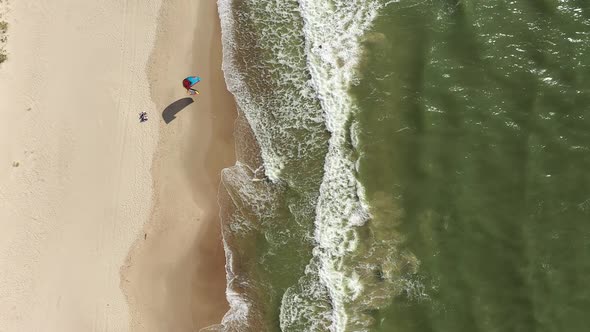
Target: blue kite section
{"points": [[193, 79]]}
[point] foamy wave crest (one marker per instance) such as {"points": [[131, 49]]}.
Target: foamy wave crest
{"points": [[274, 90], [346, 266], [306, 306], [290, 65], [264, 63], [249, 199], [236, 83]]}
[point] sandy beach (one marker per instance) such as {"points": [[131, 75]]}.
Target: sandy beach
{"points": [[182, 250], [108, 224]]}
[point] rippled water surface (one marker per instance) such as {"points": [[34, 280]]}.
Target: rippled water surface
{"points": [[408, 165]]}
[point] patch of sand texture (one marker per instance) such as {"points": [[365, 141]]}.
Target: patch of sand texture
{"points": [[80, 177]]}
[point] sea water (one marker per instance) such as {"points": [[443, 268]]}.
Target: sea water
{"points": [[410, 165]]}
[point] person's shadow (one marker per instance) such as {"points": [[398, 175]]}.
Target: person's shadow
{"points": [[169, 112]]}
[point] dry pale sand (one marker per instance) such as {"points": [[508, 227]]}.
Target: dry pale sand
{"points": [[80, 176]]}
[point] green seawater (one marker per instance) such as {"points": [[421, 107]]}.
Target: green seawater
{"points": [[474, 144], [268, 222], [468, 131]]}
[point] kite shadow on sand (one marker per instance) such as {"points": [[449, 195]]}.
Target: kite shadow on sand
{"points": [[170, 112]]}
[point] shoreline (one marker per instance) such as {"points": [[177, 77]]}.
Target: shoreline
{"points": [[189, 279]]}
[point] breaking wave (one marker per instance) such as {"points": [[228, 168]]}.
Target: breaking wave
{"points": [[293, 196]]}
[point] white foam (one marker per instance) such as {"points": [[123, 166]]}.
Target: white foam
{"points": [[239, 307], [333, 31], [278, 113], [256, 199], [305, 306], [244, 188], [237, 86]]}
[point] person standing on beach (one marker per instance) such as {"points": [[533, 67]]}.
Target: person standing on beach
{"points": [[188, 84]]}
